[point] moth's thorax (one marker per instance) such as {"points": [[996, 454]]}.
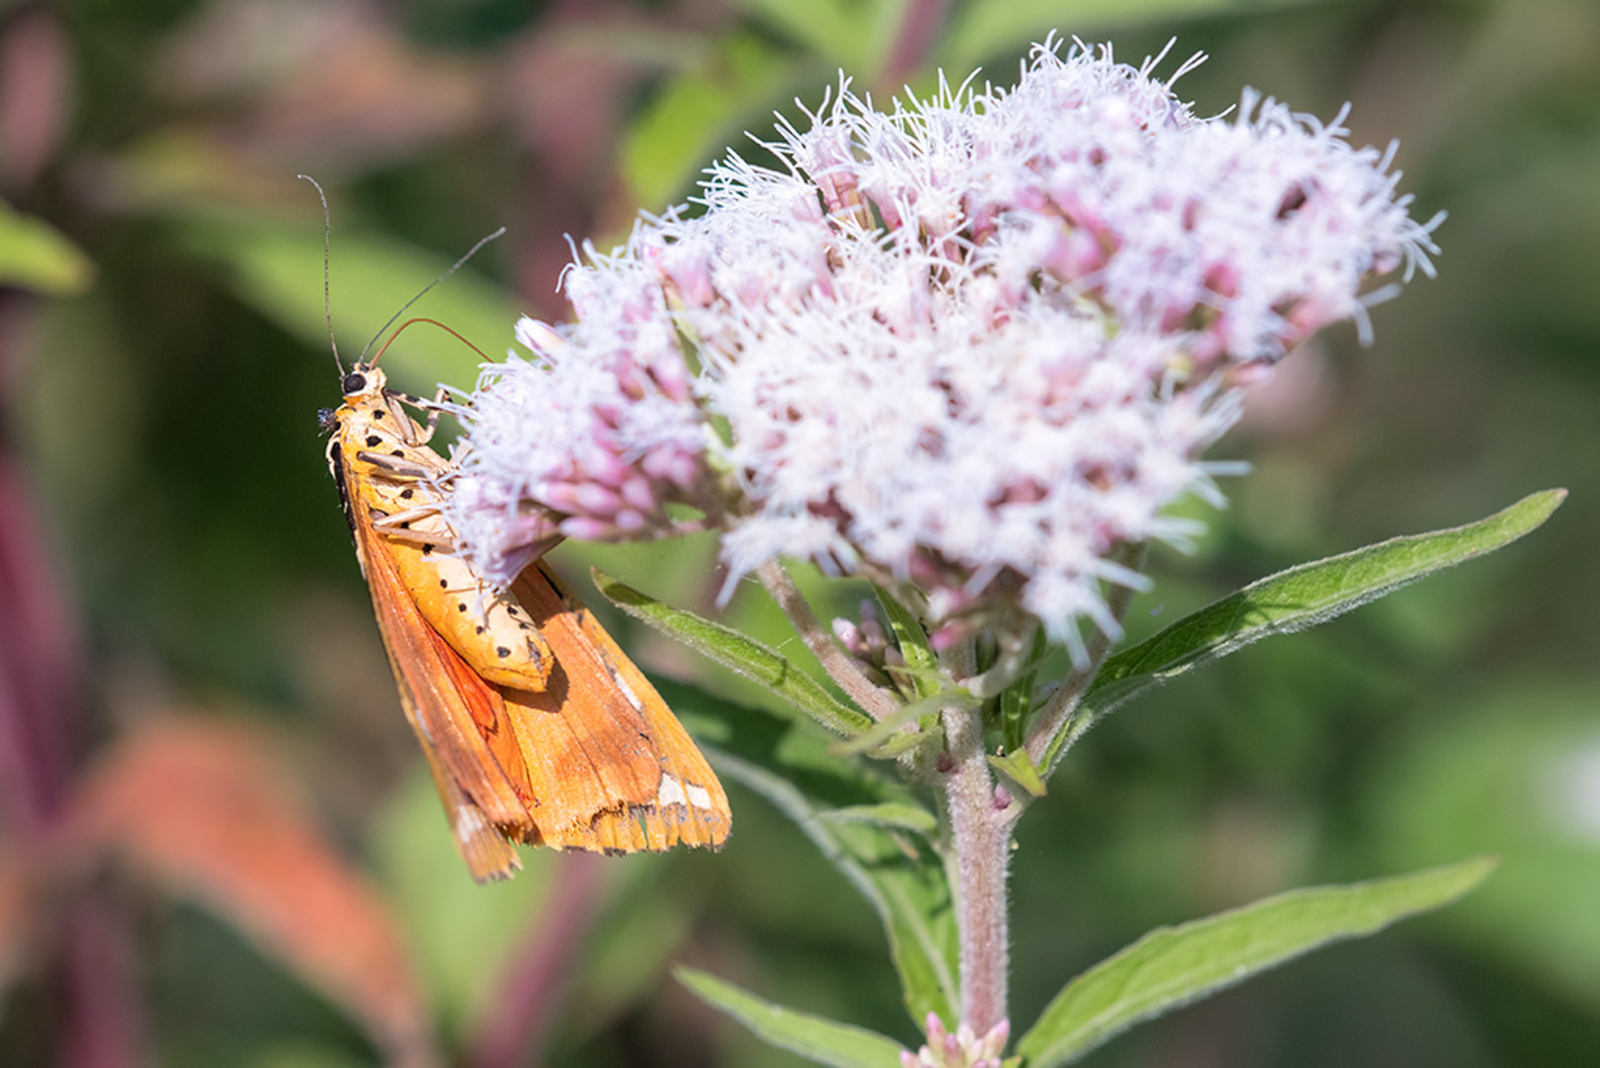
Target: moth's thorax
{"points": [[379, 439]]}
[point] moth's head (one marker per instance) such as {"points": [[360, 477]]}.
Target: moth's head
{"points": [[362, 380]]}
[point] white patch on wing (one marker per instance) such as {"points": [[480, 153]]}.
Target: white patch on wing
{"points": [[627, 691], [699, 796], [469, 821], [671, 791]]}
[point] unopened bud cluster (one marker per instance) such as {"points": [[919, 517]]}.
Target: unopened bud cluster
{"points": [[961, 1049]]}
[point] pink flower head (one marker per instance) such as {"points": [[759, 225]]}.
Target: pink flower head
{"points": [[595, 444], [971, 346]]}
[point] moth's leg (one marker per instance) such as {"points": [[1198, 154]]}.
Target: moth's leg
{"points": [[400, 526], [434, 408], [409, 515], [439, 539], [396, 467]]}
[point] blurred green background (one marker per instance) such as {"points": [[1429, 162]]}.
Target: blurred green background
{"points": [[163, 356]]}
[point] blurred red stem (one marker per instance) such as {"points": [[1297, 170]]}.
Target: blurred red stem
{"points": [[516, 1025], [103, 1026], [37, 669], [41, 671], [918, 31]]}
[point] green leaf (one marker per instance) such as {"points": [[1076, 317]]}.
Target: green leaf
{"points": [[906, 886], [1173, 966], [455, 927], [276, 268], [791, 747], [1294, 600], [34, 255], [853, 34], [900, 816], [737, 653], [1018, 767], [693, 119], [888, 738], [633, 941], [1016, 701], [989, 28], [790, 764], [813, 1037], [1511, 769], [922, 665]]}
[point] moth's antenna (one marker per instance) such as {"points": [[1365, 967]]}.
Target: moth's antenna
{"points": [[431, 322], [327, 289], [471, 252]]}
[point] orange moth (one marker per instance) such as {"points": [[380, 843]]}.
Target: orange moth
{"points": [[537, 727]]}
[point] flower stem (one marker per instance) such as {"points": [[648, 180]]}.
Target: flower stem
{"points": [[874, 700], [918, 30], [981, 819]]}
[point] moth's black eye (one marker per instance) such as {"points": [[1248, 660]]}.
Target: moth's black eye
{"points": [[354, 382]]}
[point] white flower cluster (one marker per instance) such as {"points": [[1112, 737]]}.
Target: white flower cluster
{"points": [[972, 345]]}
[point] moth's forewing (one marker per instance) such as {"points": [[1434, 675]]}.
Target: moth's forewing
{"points": [[448, 707], [659, 789], [535, 724]]}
